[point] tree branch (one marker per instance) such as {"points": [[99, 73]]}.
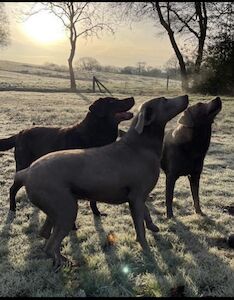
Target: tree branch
{"points": [[185, 22]]}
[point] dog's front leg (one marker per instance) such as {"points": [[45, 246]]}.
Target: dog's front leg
{"points": [[137, 208], [194, 185], [170, 185]]}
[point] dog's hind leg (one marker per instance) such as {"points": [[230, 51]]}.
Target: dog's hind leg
{"points": [[13, 191], [64, 219], [53, 245], [20, 165], [45, 230], [148, 221], [194, 185], [170, 185]]}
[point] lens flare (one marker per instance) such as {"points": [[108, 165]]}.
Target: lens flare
{"points": [[125, 269]]}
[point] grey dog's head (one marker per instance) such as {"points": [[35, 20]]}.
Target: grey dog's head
{"points": [[158, 111]]}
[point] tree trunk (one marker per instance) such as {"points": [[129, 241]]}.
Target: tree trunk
{"points": [[199, 56], [183, 71], [200, 8], [70, 60], [184, 81]]}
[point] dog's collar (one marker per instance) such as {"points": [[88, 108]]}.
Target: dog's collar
{"points": [[192, 118]]}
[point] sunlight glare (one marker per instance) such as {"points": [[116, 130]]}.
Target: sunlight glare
{"points": [[125, 270], [44, 28]]}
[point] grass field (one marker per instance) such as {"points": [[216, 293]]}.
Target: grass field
{"points": [[187, 250], [38, 78]]}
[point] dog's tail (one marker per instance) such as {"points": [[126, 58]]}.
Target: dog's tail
{"points": [[6, 144], [19, 181]]}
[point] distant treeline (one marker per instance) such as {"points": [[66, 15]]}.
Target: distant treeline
{"points": [[90, 64]]}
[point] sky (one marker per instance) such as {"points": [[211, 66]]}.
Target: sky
{"points": [[42, 39]]}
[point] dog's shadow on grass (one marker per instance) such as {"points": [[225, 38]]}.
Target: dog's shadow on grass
{"points": [[123, 270], [32, 231], [200, 260], [51, 281], [85, 98], [6, 235], [114, 264], [22, 258], [7, 231], [196, 249]]}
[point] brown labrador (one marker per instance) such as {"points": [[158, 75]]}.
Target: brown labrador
{"points": [[185, 148], [124, 171], [99, 128]]}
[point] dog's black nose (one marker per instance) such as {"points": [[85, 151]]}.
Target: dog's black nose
{"points": [[186, 97], [130, 99], [218, 101]]}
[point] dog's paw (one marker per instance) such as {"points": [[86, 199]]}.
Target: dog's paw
{"points": [[60, 262], [99, 215], [10, 217], [74, 228], [103, 215], [146, 250], [64, 263], [230, 241], [229, 210], [153, 227], [201, 213], [170, 216]]}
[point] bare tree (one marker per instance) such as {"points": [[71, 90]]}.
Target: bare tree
{"points": [[165, 21], [193, 18], [223, 15], [80, 19], [141, 66], [88, 64], [187, 19], [4, 26]]}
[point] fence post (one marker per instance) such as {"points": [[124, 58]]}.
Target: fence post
{"points": [[167, 81], [94, 79], [99, 84]]}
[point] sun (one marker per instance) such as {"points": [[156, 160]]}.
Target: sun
{"points": [[44, 28]]}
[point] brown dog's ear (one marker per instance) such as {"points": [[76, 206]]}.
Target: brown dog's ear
{"points": [[98, 108], [186, 119], [144, 119]]}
